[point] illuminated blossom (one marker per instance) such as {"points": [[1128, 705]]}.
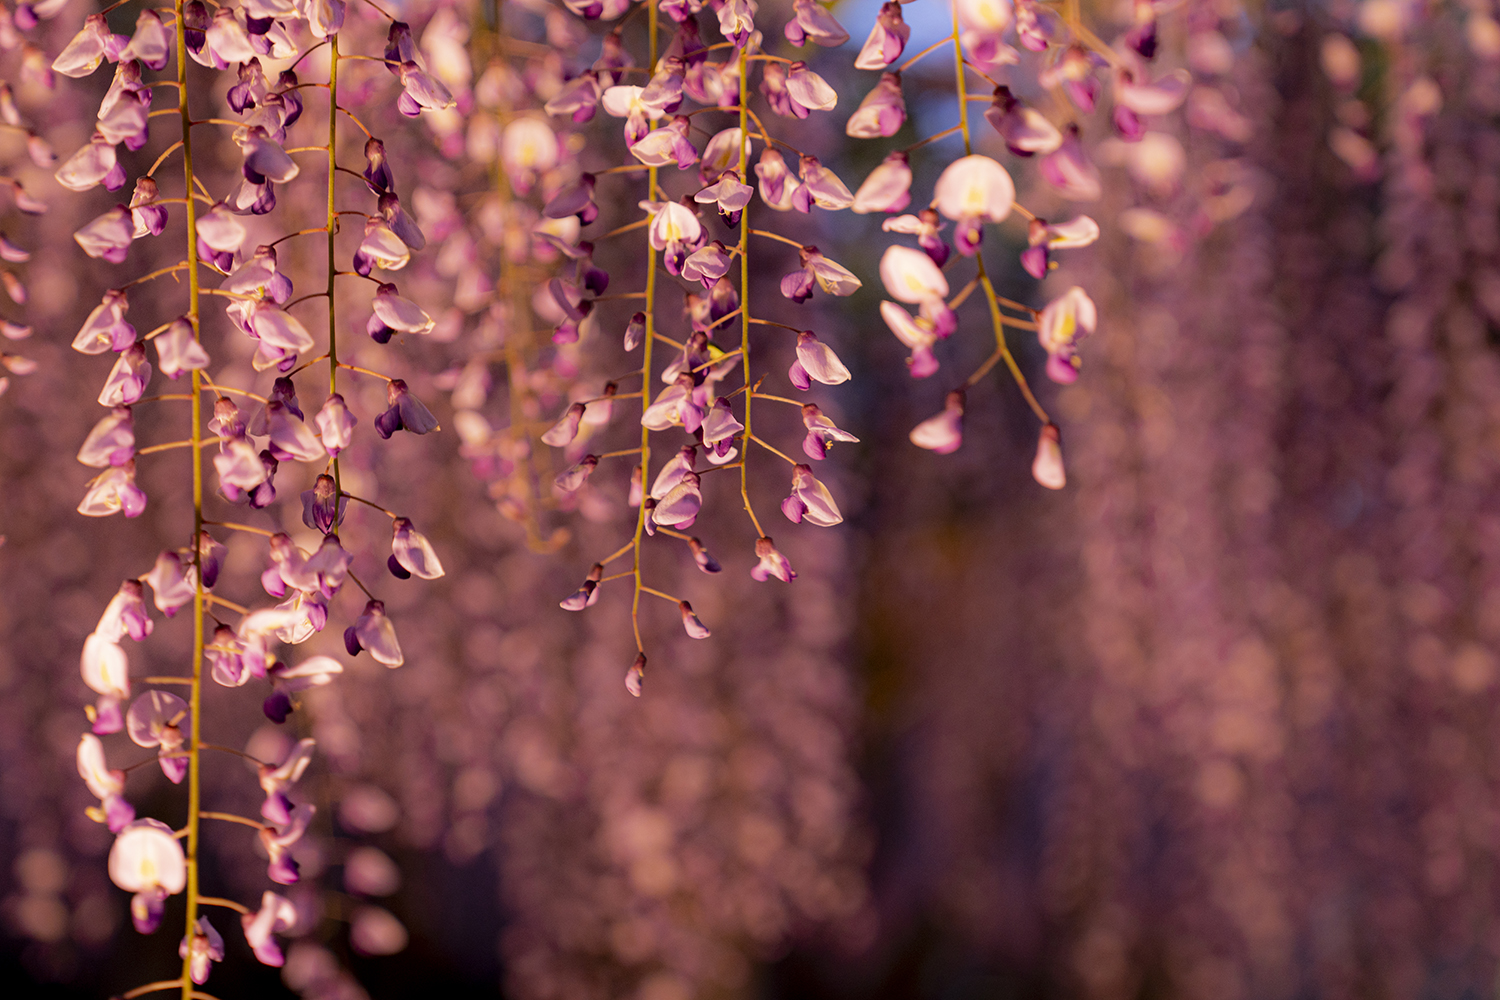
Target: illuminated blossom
{"points": [[154, 720], [114, 491], [690, 622], [108, 236], [816, 362], [1068, 169], [1047, 468], [881, 113], [276, 914], [1026, 131], [373, 631], [1063, 322], [106, 784], [411, 550], [276, 781], [112, 440], [973, 190], [810, 500], [1043, 238], [811, 22], [127, 380], [821, 432], [178, 351], [148, 861]]}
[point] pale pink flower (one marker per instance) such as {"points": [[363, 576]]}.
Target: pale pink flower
{"points": [[107, 785], [335, 424], [108, 236], [916, 334], [87, 49], [178, 351], [1026, 131], [1047, 468], [810, 500], [777, 186], [820, 187], [1068, 169], [201, 948], [911, 276], [147, 860], [372, 630], [276, 914], [887, 39], [276, 781], [411, 549], [942, 433], [106, 670], [1063, 322], [812, 22], [173, 582], [127, 380], [729, 194], [155, 720], [635, 677], [105, 328], [882, 112], [1158, 97], [691, 623], [126, 614], [151, 44], [113, 491], [974, 190], [816, 361], [680, 507], [887, 189], [112, 440]]}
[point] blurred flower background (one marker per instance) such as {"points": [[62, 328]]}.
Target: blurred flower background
{"points": [[1216, 720]]}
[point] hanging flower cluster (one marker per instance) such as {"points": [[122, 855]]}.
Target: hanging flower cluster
{"points": [[245, 442]]}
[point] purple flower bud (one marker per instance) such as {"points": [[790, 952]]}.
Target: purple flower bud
{"points": [[1047, 468], [278, 705], [581, 598], [380, 247], [195, 24], [251, 88], [703, 558], [635, 677], [635, 331], [406, 412], [690, 623], [881, 113], [566, 428], [211, 555], [318, 505], [377, 172]]}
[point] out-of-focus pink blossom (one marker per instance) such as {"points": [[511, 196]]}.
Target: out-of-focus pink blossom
{"points": [[276, 781], [812, 22], [942, 433], [112, 440], [974, 190], [107, 785], [1047, 468], [882, 112], [405, 412], [155, 720], [887, 189], [147, 860], [1069, 170], [1064, 321], [276, 914]]}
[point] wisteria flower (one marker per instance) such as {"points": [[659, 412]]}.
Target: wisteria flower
{"points": [[576, 199], [381, 247], [777, 186], [108, 236], [318, 510], [405, 412], [276, 914], [707, 264], [887, 39], [282, 868], [112, 440], [831, 276], [887, 189], [113, 491], [1047, 468], [810, 500], [703, 558], [917, 334], [93, 43], [335, 424], [675, 230], [1043, 238], [723, 152], [882, 112], [635, 677], [1063, 322], [1068, 169], [812, 22], [106, 670], [173, 582], [637, 106], [772, 563], [691, 624], [570, 480], [259, 277], [107, 785], [372, 630], [912, 276], [973, 190], [127, 380], [126, 614], [821, 432], [315, 671], [720, 428], [680, 507], [944, 432], [394, 314], [154, 720], [147, 860], [927, 227], [821, 187], [276, 781], [105, 328], [1026, 131], [178, 351], [816, 362], [729, 194], [220, 236], [672, 472], [412, 552], [421, 92], [667, 146], [578, 98]]}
